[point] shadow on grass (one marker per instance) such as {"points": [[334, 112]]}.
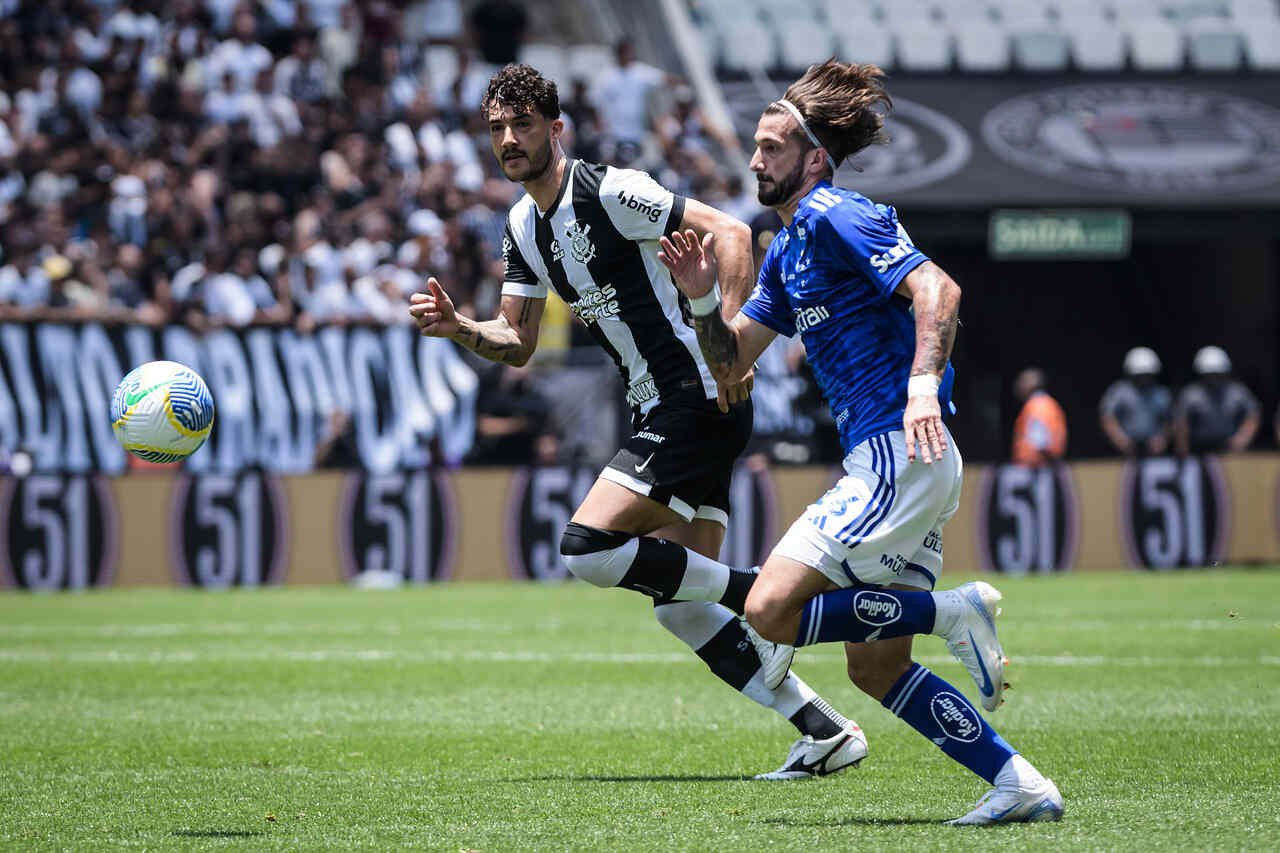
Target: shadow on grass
{"points": [[217, 833], [689, 778]]}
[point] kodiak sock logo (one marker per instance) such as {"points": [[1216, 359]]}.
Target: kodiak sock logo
{"points": [[956, 717], [876, 608]]}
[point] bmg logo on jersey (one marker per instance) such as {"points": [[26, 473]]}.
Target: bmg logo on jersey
{"points": [[956, 717], [876, 608], [652, 211]]}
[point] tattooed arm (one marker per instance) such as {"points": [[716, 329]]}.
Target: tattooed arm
{"points": [[510, 338], [935, 299]]}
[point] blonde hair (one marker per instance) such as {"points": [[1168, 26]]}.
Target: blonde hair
{"points": [[839, 103]]}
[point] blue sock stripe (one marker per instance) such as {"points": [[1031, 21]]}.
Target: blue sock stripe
{"points": [[888, 502], [876, 468], [909, 689]]}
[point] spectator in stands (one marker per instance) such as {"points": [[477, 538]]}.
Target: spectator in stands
{"points": [[1216, 413], [1136, 410], [302, 75], [1040, 432], [498, 28], [621, 95]]}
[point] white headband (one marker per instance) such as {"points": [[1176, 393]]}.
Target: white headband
{"points": [[791, 108]]}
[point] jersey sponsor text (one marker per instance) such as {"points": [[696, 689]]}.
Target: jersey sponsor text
{"points": [[884, 260]]}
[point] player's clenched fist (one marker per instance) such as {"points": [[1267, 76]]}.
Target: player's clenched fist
{"points": [[433, 311]]}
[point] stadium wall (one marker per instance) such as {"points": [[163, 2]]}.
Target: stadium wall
{"points": [[254, 528]]}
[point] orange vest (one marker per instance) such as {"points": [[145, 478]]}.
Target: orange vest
{"points": [[1040, 432]]}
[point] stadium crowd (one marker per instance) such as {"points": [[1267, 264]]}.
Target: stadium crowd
{"points": [[222, 163]]}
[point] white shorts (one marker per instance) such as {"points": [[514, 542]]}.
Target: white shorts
{"points": [[882, 522]]}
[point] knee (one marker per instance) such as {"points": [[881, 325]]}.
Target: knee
{"points": [[599, 557], [768, 615]]}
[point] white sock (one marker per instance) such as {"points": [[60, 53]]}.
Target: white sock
{"points": [[949, 605], [704, 579], [1018, 774]]}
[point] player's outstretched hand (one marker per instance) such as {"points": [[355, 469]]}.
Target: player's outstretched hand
{"points": [[735, 392], [433, 311], [692, 264], [922, 422]]}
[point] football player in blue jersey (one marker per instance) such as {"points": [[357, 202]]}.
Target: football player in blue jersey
{"points": [[877, 319]]}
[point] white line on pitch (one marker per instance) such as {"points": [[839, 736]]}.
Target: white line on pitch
{"points": [[18, 655]]}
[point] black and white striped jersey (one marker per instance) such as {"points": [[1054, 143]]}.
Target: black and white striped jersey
{"points": [[598, 248]]}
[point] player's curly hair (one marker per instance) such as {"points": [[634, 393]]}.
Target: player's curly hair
{"points": [[844, 105], [521, 86]]}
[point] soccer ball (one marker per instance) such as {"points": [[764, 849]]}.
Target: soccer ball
{"points": [[162, 411]]}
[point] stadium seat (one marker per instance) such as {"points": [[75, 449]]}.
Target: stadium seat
{"points": [[922, 45], [747, 45], [1262, 46], [963, 11], [780, 11], [866, 42], [981, 46], [834, 10], [1182, 11], [909, 13], [1021, 15], [1253, 9], [803, 42], [1041, 48], [1156, 46], [1127, 11], [1097, 45], [550, 59], [1071, 10], [1214, 45]]}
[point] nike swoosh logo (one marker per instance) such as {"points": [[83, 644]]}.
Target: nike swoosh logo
{"points": [[134, 396], [1002, 815], [986, 687], [818, 765], [640, 468]]}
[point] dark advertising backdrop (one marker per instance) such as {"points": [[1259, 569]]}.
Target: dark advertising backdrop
{"points": [[1192, 163]]}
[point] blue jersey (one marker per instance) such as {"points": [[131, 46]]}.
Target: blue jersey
{"points": [[830, 276]]}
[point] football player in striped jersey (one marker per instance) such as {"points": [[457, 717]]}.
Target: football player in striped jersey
{"points": [[655, 519]]}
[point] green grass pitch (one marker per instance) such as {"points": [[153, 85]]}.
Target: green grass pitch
{"points": [[525, 717]]}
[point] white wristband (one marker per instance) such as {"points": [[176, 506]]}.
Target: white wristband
{"points": [[924, 385], [707, 303]]}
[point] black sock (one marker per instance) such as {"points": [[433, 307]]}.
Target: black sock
{"points": [[818, 719]]}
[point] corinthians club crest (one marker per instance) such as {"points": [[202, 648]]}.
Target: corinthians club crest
{"points": [[580, 245]]}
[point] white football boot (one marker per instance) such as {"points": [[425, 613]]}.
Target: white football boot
{"points": [[809, 758], [775, 658], [972, 636], [1013, 805]]}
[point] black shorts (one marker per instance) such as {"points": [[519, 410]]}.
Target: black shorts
{"points": [[682, 455]]}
